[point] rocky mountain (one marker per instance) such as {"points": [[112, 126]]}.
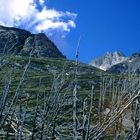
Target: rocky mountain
{"points": [[36, 99], [131, 65], [108, 60], [21, 42]]}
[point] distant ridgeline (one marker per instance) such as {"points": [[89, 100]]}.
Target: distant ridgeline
{"points": [[117, 62], [20, 42]]}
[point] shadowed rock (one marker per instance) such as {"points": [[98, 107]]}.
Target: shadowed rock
{"points": [[21, 42]]}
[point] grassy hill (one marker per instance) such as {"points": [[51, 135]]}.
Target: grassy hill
{"points": [[37, 98]]}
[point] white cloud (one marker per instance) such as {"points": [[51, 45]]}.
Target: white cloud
{"points": [[26, 14], [42, 2], [49, 14]]}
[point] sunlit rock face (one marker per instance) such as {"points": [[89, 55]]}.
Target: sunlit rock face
{"points": [[108, 60], [21, 42]]}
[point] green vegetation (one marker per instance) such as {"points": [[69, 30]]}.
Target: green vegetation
{"points": [[45, 96]]}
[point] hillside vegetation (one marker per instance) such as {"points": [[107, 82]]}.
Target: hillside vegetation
{"points": [[53, 98], [44, 96]]}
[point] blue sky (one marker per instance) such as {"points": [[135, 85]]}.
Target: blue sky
{"points": [[106, 25]]}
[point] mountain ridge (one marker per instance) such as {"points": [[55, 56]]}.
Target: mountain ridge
{"points": [[108, 60], [131, 65], [20, 42]]}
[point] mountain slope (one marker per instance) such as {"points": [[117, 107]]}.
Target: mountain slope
{"points": [[38, 93], [21, 42], [47, 86], [132, 65], [108, 60]]}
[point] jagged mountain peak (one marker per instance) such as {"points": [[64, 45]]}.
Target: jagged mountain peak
{"points": [[108, 60], [118, 53], [115, 53]]}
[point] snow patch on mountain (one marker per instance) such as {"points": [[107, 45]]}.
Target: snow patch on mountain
{"points": [[108, 60]]}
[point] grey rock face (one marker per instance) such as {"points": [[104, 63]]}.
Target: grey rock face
{"points": [[12, 39], [108, 60], [132, 65], [21, 42]]}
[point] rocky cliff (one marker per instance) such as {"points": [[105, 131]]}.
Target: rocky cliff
{"points": [[21, 42], [108, 60]]}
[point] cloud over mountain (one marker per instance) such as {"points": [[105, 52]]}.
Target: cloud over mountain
{"points": [[36, 17]]}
